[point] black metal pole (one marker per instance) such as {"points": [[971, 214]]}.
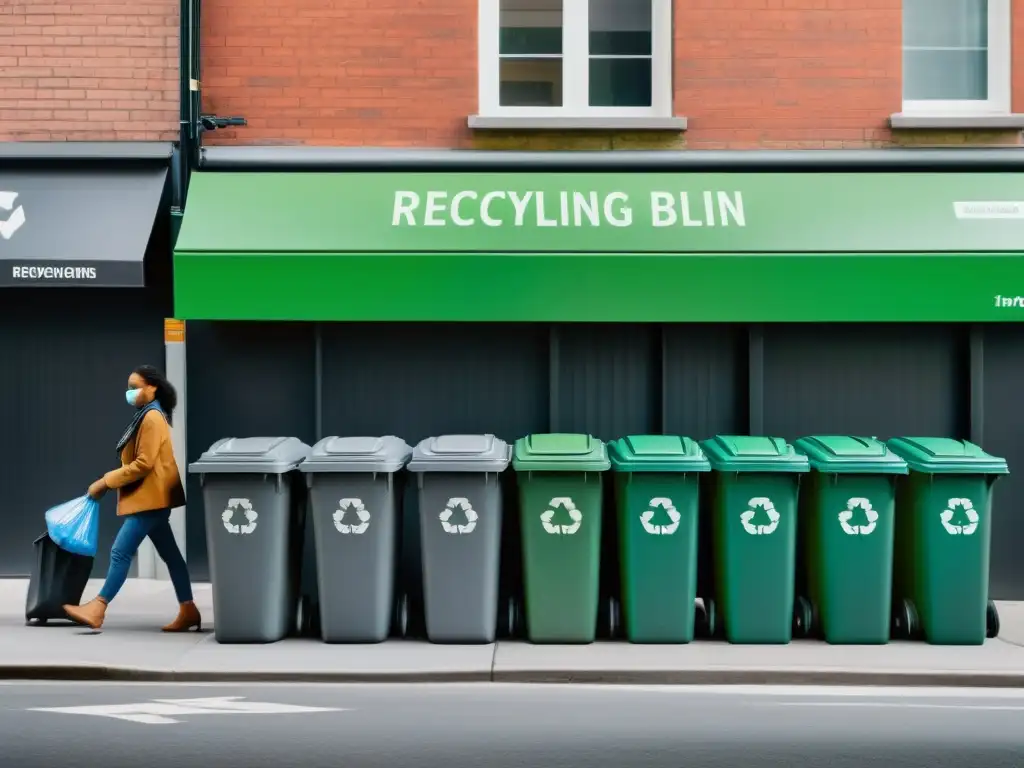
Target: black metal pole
{"points": [[188, 78]]}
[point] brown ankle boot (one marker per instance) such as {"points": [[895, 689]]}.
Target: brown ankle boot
{"points": [[91, 614], [187, 618]]}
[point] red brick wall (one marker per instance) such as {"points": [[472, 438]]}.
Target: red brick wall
{"points": [[88, 70], [787, 73], [748, 74], [344, 72], [1017, 38]]}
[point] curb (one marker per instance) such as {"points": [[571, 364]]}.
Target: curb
{"points": [[789, 677], [709, 677], [98, 673]]}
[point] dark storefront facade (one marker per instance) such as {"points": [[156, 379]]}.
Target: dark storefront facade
{"points": [[786, 303], [84, 290]]}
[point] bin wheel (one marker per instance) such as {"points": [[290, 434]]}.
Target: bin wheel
{"points": [[703, 624], [803, 617], [304, 617], [905, 623], [512, 620], [613, 618], [608, 619], [401, 617], [991, 620], [42, 623], [817, 630], [715, 627]]}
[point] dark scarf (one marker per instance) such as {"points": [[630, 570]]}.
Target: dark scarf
{"points": [[134, 426]]}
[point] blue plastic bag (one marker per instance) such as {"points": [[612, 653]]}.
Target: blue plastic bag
{"points": [[74, 526]]}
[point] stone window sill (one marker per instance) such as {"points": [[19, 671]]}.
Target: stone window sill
{"points": [[903, 121], [482, 123]]}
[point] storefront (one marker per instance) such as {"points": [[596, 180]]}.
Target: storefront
{"points": [[769, 302], [84, 288]]}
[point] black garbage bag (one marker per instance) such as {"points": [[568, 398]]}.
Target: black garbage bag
{"points": [[58, 578]]}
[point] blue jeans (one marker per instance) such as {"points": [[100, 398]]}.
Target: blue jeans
{"points": [[135, 528]]}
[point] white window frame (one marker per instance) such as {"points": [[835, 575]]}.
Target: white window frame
{"points": [[999, 68], [575, 65]]}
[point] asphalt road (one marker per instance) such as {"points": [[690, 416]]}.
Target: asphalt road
{"points": [[513, 726]]}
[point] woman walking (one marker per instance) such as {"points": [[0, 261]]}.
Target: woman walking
{"points": [[148, 488]]}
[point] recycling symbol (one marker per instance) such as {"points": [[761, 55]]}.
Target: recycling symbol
{"points": [[769, 508], [362, 513], [250, 515], [13, 222], [969, 512], [847, 515], [673, 515], [467, 509], [574, 514]]}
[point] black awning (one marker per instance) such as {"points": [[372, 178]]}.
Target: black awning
{"points": [[86, 227]]}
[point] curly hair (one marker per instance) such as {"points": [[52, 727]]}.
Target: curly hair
{"points": [[165, 392]]}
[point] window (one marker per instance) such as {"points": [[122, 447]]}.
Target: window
{"points": [[956, 57], [576, 58]]}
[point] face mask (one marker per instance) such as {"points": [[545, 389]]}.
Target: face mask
{"points": [[132, 395]]}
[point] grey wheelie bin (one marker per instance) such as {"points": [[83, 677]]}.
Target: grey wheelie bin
{"points": [[458, 478], [354, 500], [255, 516]]}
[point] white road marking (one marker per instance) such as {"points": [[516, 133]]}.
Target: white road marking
{"points": [[164, 711], [895, 705]]}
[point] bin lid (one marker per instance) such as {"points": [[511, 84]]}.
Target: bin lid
{"points": [[358, 454], [751, 453], [657, 453], [461, 453], [251, 455], [848, 454], [946, 455], [560, 452]]}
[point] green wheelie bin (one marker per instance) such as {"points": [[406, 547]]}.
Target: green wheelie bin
{"points": [[847, 527], [754, 487], [657, 490], [943, 538], [560, 490]]}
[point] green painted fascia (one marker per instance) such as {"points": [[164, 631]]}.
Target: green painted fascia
{"points": [[624, 287]]}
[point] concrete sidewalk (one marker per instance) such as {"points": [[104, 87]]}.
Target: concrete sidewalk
{"points": [[131, 647]]}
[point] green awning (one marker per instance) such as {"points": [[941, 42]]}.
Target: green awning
{"points": [[765, 247]]}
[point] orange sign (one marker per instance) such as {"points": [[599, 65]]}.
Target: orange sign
{"points": [[174, 330]]}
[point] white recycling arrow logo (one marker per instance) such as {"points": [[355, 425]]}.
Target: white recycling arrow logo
{"points": [[549, 514], [354, 505], [748, 515], [969, 511], [673, 516], [458, 503], [846, 516], [228, 517], [16, 220]]}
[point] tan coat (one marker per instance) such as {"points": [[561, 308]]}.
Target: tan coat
{"points": [[148, 478]]}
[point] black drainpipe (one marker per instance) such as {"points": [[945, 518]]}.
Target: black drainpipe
{"points": [[188, 77], [192, 121]]}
